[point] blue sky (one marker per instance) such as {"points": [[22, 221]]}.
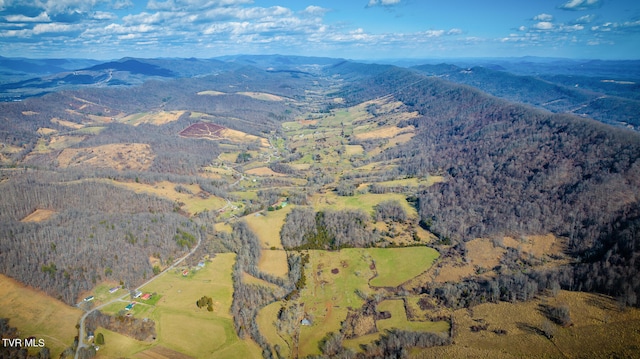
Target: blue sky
{"points": [[355, 29]]}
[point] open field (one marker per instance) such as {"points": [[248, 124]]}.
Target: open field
{"points": [[154, 118], [44, 131], [265, 321], [382, 132], [191, 202], [132, 156], [599, 330], [36, 314], [412, 182], [262, 96], [239, 136], [267, 226], [264, 171], [333, 277], [66, 123], [328, 296], [39, 215], [211, 93], [399, 320], [395, 266], [53, 143], [274, 262], [180, 325], [117, 345], [365, 202], [484, 253]]}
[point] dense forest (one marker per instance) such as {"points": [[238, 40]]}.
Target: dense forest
{"points": [[88, 239]]}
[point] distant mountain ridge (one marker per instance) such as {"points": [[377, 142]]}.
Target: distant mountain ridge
{"points": [[134, 66], [607, 91], [611, 102]]}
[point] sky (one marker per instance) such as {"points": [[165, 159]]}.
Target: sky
{"points": [[353, 29]]}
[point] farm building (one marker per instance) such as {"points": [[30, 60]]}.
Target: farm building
{"points": [[113, 290], [89, 298], [185, 272], [201, 264], [146, 296], [305, 322], [130, 306], [137, 294]]}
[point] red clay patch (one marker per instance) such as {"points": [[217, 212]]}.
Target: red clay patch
{"points": [[203, 130]]}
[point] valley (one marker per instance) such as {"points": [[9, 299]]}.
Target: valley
{"points": [[330, 209]]}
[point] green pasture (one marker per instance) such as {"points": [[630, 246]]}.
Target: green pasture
{"points": [[328, 296], [365, 202], [182, 326], [397, 265]]}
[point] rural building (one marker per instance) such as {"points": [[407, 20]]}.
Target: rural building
{"points": [[137, 294], [185, 272], [201, 264], [89, 298], [130, 306], [113, 290], [305, 322], [146, 296]]}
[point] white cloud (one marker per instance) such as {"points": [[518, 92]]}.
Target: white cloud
{"points": [[543, 25], [577, 5], [585, 19], [41, 29], [543, 17], [193, 4], [315, 10], [122, 4], [382, 3], [43, 17], [103, 15], [54, 7]]}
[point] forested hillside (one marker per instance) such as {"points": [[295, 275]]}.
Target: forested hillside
{"points": [[605, 99], [515, 170]]}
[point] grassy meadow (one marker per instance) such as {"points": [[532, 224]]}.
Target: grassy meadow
{"points": [[180, 325], [395, 266], [36, 314]]}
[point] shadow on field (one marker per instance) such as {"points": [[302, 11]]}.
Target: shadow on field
{"points": [[528, 328]]}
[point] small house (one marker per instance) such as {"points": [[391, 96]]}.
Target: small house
{"points": [[185, 272], [113, 290], [305, 322], [146, 296], [201, 264], [89, 298], [130, 306], [137, 294]]}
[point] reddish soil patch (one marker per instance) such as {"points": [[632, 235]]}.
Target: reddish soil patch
{"points": [[203, 130]]}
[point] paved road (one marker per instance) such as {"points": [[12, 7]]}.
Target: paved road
{"points": [[81, 333]]}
